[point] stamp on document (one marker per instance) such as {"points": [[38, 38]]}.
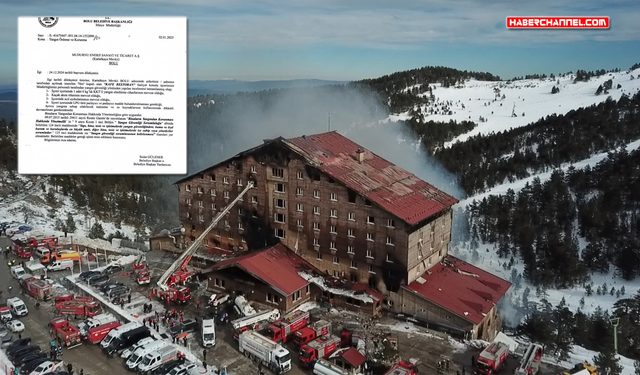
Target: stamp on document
{"points": [[48, 21]]}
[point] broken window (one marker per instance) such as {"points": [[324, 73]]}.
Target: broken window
{"points": [[280, 233], [277, 172], [352, 196]]}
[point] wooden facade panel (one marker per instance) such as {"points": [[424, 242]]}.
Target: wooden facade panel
{"points": [[428, 245]]}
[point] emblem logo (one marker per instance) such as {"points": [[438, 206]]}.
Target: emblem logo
{"points": [[48, 21]]}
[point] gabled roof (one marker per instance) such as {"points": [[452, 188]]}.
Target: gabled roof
{"points": [[395, 190], [349, 355], [461, 288], [277, 266]]}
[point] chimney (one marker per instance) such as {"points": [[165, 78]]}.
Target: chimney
{"points": [[360, 155]]}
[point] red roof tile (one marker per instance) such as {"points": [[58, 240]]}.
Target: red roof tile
{"points": [[277, 266], [394, 189], [353, 357], [461, 288]]}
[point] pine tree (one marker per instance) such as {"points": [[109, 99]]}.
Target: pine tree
{"points": [[599, 291], [607, 359], [582, 302], [589, 291], [613, 291], [96, 231], [70, 224], [636, 365], [622, 290]]}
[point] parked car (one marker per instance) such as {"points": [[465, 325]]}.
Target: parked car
{"points": [[183, 329], [114, 268], [97, 279], [109, 284], [31, 367], [164, 369], [112, 286], [17, 344], [16, 352], [217, 299], [86, 275], [119, 291], [28, 358], [15, 326]]}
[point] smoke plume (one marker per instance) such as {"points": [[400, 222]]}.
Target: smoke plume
{"points": [[237, 122]]}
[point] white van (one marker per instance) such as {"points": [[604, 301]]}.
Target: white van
{"points": [[208, 333], [137, 356], [41, 251], [61, 265], [95, 321], [17, 271], [127, 352], [117, 332], [17, 306]]}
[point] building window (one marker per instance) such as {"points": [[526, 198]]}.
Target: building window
{"points": [[391, 223], [389, 240], [309, 286], [316, 226], [219, 283], [388, 259], [350, 233], [280, 233], [226, 224], [212, 192], [240, 225], [225, 194], [300, 175], [369, 254], [279, 188], [300, 223], [189, 217], [225, 180], [333, 229], [240, 212], [316, 241], [336, 260], [299, 207], [212, 177], [369, 236], [271, 298], [213, 206], [199, 203], [244, 239], [217, 232], [187, 201], [200, 190], [334, 213], [295, 296], [352, 196], [187, 187], [239, 182], [279, 203], [316, 210], [316, 193], [370, 220], [334, 196], [354, 264], [332, 245], [352, 216], [201, 218], [277, 172], [299, 191], [318, 256], [367, 202], [371, 269], [279, 218], [254, 199], [202, 176], [351, 249], [253, 169]]}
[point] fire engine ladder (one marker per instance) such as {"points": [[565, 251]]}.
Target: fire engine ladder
{"points": [[185, 257], [527, 359]]}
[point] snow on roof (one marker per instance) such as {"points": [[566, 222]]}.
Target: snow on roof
{"points": [[321, 282]]}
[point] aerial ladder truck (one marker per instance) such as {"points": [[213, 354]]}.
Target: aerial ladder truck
{"points": [[171, 286]]}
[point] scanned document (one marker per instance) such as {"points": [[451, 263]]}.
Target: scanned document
{"points": [[102, 95]]}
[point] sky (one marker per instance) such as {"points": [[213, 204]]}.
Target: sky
{"points": [[355, 39]]}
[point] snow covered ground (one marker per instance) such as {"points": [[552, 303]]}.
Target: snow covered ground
{"points": [[580, 355], [532, 97]]}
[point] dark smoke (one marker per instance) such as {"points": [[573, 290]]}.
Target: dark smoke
{"points": [[238, 122]]}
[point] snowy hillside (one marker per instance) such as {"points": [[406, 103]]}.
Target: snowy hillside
{"points": [[495, 101], [29, 207]]}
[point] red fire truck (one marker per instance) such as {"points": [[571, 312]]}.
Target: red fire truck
{"points": [[67, 334], [403, 368], [96, 334], [319, 348], [492, 359], [78, 308], [22, 249], [282, 330], [39, 289], [311, 332]]}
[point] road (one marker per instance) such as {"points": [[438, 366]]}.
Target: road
{"points": [[87, 357]]}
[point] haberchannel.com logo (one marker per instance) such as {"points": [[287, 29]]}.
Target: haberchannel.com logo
{"points": [[557, 22]]}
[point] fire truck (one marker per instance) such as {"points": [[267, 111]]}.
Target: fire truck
{"points": [[47, 242], [255, 322], [67, 334], [78, 308], [311, 332], [403, 368], [530, 362], [282, 330], [140, 263], [39, 289], [319, 348], [143, 277], [21, 249], [168, 289], [492, 359]]}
